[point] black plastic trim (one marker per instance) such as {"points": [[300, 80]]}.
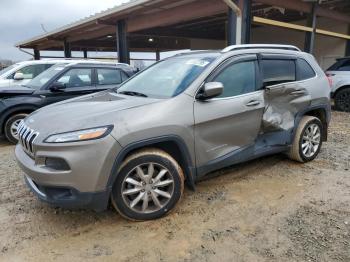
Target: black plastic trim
{"points": [[238, 156], [326, 108], [190, 170], [97, 201]]}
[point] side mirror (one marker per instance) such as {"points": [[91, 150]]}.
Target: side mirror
{"points": [[18, 76], [211, 90], [57, 87]]}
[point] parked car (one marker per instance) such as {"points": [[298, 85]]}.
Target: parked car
{"points": [[176, 121], [339, 74], [22, 72], [60, 82]]}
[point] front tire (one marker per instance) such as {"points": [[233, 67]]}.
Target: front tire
{"points": [[149, 184], [342, 100], [11, 125], [307, 140]]}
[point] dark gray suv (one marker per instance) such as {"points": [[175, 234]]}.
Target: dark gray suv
{"points": [[173, 123], [63, 81]]}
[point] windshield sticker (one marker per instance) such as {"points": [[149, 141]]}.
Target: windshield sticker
{"points": [[197, 62]]}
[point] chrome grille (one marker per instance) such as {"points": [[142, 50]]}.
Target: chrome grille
{"points": [[26, 137]]}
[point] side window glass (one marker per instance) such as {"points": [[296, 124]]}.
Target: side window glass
{"points": [[27, 71], [278, 71], [76, 77], [108, 76], [124, 76], [345, 66], [238, 79], [304, 70]]}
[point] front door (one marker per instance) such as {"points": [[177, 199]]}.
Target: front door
{"points": [[78, 82], [224, 125]]}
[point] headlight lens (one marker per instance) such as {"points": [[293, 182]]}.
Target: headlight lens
{"points": [[80, 135]]}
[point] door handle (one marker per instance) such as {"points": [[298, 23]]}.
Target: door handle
{"points": [[298, 92], [253, 103]]}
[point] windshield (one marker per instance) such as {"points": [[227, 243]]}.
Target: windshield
{"points": [[43, 78], [167, 78], [7, 69]]}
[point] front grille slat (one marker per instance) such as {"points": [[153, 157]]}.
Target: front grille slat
{"points": [[27, 137]]}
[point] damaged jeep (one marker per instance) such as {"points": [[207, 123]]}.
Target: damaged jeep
{"points": [[182, 118]]}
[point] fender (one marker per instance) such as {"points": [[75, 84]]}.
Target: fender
{"points": [[190, 170]]}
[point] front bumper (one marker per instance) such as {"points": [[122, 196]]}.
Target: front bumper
{"points": [[82, 182], [69, 197]]}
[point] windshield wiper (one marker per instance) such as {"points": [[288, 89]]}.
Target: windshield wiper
{"points": [[132, 93]]}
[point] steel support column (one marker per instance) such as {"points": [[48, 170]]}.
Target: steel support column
{"points": [[310, 36], [67, 50], [231, 27], [122, 42], [247, 21], [347, 49], [85, 53], [157, 55], [36, 54]]}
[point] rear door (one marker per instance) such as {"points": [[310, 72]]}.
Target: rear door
{"points": [[286, 92], [231, 122]]}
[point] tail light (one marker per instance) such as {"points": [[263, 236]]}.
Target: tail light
{"points": [[330, 80]]}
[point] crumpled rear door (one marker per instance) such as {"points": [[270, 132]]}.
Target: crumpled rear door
{"points": [[283, 102]]}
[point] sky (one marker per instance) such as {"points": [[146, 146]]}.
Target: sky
{"points": [[23, 19]]}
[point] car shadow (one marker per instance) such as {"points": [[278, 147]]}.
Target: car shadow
{"points": [[4, 142]]}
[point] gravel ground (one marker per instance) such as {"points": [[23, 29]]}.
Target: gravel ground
{"points": [[270, 209]]}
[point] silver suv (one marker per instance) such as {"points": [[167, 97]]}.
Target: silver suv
{"points": [[339, 76], [175, 122]]}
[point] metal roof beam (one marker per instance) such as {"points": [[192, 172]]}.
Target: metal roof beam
{"points": [[307, 8], [177, 14]]}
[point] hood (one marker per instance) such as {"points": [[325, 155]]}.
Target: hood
{"points": [[15, 90], [89, 111]]}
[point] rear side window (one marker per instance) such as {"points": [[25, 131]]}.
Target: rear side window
{"points": [[278, 71], [304, 70], [109, 76]]}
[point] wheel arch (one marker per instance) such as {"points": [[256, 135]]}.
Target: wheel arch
{"points": [[321, 112], [26, 109], [173, 145], [346, 86]]}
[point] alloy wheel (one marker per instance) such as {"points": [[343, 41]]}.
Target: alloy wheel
{"points": [[14, 128], [311, 140], [147, 188]]}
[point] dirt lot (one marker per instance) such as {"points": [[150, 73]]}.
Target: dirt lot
{"points": [[269, 209]]}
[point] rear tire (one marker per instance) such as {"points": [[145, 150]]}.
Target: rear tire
{"points": [[149, 184], [307, 140], [342, 100], [11, 127]]}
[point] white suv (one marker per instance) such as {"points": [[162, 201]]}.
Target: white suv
{"points": [[339, 74], [22, 72]]}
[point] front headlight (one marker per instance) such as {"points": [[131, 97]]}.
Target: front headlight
{"points": [[80, 135]]}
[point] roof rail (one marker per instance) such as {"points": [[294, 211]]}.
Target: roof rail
{"points": [[257, 46]]}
